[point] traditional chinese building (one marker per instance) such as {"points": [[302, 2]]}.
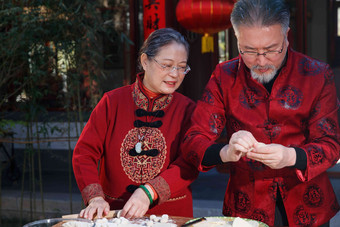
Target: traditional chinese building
{"points": [[315, 31]]}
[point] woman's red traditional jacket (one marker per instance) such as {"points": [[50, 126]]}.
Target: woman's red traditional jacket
{"points": [[300, 111], [113, 131]]}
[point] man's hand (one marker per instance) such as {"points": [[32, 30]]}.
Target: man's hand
{"points": [[137, 205], [239, 144], [97, 205], [275, 156]]}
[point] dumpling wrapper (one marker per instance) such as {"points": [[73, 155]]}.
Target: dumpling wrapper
{"points": [[239, 222]]}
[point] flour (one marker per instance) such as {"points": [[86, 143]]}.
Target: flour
{"points": [[153, 221]]}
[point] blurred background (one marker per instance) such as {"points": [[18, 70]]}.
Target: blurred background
{"points": [[58, 57]]}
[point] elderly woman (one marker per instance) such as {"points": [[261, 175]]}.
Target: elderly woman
{"points": [[135, 133]]}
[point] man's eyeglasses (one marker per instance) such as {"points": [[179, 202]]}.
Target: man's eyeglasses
{"points": [[266, 54], [170, 68]]}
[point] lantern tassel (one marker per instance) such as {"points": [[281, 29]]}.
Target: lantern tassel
{"points": [[207, 43]]}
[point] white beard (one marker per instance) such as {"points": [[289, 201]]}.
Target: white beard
{"points": [[265, 77]]}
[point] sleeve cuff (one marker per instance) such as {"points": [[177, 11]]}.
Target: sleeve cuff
{"points": [[212, 155], [91, 191], [161, 187], [301, 159]]}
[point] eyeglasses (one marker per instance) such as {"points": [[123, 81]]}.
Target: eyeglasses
{"points": [[170, 68], [267, 54]]}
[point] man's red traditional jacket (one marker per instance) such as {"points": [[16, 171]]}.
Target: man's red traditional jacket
{"points": [[300, 111], [110, 135]]}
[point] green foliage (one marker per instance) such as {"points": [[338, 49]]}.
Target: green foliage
{"points": [[6, 127], [47, 44], [51, 53]]}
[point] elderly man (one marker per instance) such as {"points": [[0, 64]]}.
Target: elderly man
{"points": [[279, 108]]}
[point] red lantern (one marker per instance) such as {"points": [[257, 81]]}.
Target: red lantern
{"points": [[205, 17]]}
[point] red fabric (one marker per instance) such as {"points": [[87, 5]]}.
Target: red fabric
{"points": [[149, 93], [153, 16], [301, 111], [110, 134], [204, 16]]}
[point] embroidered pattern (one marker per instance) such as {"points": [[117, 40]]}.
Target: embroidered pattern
{"points": [[316, 110], [227, 211], [207, 97], [162, 102], [139, 98], [162, 188], [313, 196], [113, 198], [327, 127], [329, 76], [316, 155], [177, 198], [290, 97], [249, 98], [273, 190], [254, 165], [230, 67], [91, 191], [142, 168], [302, 217], [260, 215], [309, 67], [271, 128], [233, 124], [216, 123], [241, 202], [142, 101]]}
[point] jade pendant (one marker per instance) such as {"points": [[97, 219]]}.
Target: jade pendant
{"points": [[138, 147]]}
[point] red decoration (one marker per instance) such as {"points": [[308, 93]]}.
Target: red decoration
{"points": [[153, 16], [205, 17]]}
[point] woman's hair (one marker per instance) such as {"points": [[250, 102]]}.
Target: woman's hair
{"points": [[159, 38], [262, 13]]}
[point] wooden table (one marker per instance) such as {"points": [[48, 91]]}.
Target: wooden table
{"points": [[180, 220]]}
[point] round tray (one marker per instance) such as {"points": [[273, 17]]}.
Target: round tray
{"points": [[55, 222], [231, 219]]}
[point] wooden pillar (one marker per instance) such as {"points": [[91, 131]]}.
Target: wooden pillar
{"points": [[133, 36], [301, 26]]}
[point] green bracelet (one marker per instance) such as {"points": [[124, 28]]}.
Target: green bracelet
{"points": [[147, 193]]}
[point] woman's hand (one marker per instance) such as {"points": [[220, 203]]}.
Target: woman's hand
{"points": [[137, 205], [97, 205]]}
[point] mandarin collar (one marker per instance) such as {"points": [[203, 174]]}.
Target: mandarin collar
{"points": [[143, 101]]}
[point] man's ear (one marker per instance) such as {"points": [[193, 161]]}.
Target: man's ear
{"points": [[287, 36]]}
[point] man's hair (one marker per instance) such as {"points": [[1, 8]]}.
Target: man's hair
{"points": [[261, 13]]}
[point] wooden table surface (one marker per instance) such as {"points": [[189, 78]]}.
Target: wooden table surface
{"points": [[180, 220]]}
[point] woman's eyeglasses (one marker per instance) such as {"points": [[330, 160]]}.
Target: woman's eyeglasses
{"points": [[170, 68]]}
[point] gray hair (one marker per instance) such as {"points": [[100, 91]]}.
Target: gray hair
{"points": [[159, 38], [261, 13]]}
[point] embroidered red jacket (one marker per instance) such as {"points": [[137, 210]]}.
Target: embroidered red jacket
{"points": [[300, 111], [110, 137]]}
